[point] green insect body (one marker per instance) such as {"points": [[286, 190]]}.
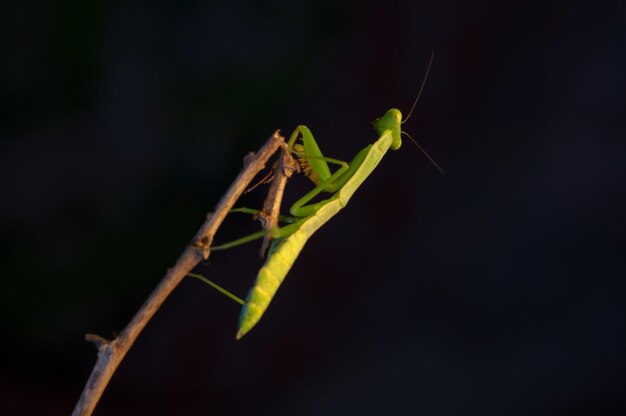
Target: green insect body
{"points": [[309, 218], [280, 259]]}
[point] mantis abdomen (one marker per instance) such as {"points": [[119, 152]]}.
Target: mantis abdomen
{"points": [[281, 257]]}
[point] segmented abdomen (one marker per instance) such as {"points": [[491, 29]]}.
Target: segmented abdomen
{"points": [[277, 266]]}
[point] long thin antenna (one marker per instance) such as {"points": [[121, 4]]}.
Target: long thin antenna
{"points": [[424, 151], [432, 55]]}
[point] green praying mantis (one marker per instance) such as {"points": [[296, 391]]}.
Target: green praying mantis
{"points": [[307, 217]]}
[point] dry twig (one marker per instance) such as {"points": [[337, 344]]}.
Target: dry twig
{"points": [[112, 352], [268, 215]]}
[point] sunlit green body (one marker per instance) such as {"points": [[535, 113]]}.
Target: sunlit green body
{"points": [[344, 182], [308, 217], [281, 257]]}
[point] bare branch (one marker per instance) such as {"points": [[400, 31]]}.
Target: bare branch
{"points": [[111, 353]]}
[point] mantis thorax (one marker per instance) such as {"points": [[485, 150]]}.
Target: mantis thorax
{"points": [[390, 121]]}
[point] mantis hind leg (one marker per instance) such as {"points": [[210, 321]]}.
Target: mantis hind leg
{"points": [[217, 287], [276, 233]]}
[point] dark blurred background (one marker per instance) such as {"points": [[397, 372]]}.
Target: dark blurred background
{"points": [[496, 288]]}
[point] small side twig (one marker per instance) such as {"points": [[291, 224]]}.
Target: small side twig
{"points": [[112, 352], [268, 215]]}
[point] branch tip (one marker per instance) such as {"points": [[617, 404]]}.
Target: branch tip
{"points": [[99, 341]]}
